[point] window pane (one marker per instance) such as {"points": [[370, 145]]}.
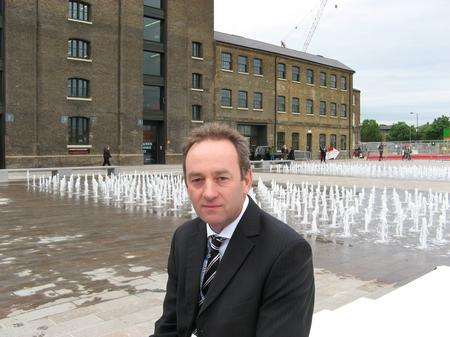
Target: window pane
{"points": [[225, 97], [226, 61], [343, 83], [153, 3], [196, 113], [280, 140], [153, 96], [323, 79], [152, 29], [295, 105], [257, 100], [196, 81], [309, 106], [78, 130], [281, 70], [281, 103], [257, 66], [333, 140], [343, 110], [152, 63], [323, 108], [309, 76], [333, 110], [333, 81], [242, 100], [296, 74], [343, 142], [196, 49], [242, 64]]}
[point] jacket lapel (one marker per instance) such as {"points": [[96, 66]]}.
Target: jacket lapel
{"points": [[195, 257], [237, 251]]}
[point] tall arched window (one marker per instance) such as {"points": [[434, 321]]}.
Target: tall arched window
{"points": [[78, 49], [77, 87]]}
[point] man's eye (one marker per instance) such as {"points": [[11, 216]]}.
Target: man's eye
{"points": [[223, 178], [196, 180]]}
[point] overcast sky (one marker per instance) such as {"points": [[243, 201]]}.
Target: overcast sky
{"points": [[400, 49]]}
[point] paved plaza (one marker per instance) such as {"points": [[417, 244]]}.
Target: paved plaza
{"points": [[71, 267]]}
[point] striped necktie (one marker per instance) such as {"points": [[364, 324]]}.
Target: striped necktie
{"points": [[212, 264]]}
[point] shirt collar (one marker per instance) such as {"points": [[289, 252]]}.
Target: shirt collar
{"points": [[228, 231]]}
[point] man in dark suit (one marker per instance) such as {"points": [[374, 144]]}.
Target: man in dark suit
{"points": [[235, 271]]}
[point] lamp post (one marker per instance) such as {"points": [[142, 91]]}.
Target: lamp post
{"points": [[417, 124]]}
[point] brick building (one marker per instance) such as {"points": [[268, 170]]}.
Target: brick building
{"points": [[139, 75]]}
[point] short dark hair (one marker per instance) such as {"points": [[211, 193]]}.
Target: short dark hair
{"points": [[217, 131]]}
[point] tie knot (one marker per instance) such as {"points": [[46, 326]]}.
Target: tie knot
{"points": [[216, 241]]}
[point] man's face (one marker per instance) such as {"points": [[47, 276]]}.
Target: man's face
{"points": [[214, 183]]}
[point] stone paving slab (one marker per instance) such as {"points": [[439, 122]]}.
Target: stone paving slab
{"points": [[71, 268]]}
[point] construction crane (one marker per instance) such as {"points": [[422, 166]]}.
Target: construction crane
{"points": [[313, 28]]}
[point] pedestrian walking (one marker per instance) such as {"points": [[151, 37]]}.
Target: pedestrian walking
{"points": [[323, 153], [106, 156], [380, 150]]}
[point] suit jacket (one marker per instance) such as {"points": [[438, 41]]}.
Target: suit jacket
{"points": [[264, 285]]}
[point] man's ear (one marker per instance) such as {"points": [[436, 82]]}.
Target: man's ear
{"points": [[248, 180]]}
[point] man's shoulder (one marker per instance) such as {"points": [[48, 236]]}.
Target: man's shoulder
{"points": [[187, 228], [279, 234]]}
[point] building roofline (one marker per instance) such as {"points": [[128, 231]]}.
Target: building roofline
{"points": [[271, 48]]}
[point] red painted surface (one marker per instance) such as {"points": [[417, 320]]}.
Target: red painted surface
{"points": [[413, 157]]}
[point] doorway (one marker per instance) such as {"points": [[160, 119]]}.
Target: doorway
{"points": [[309, 142], [153, 143]]}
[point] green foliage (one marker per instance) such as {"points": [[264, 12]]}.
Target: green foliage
{"points": [[435, 130], [370, 131], [401, 132]]}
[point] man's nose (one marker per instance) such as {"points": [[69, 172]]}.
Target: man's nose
{"points": [[209, 190]]}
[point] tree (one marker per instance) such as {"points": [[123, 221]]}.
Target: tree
{"points": [[435, 131], [370, 131], [401, 132]]}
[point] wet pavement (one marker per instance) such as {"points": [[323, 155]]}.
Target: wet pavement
{"points": [[64, 258]]}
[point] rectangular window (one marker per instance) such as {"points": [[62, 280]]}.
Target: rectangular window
{"points": [[333, 141], [225, 97], [310, 76], [79, 10], [257, 100], [281, 103], [242, 64], [295, 105], [153, 29], [227, 63], [153, 3], [281, 70], [343, 142], [323, 108], [333, 109], [343, 83], [78, 131], [280, 140], [77, 87], [78, 49], [152, 63], [323, 79], [333, 80], [245, 130], [197, 49], [257, 66], [242, 99], [197, 81], [153, 98], [343, 110], [295, 141], [196, 112], [296, 74], [309, 107], [322, 140]]}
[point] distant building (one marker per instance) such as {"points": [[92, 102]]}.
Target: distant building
{"points": [[384, 130], [80, 75]]}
